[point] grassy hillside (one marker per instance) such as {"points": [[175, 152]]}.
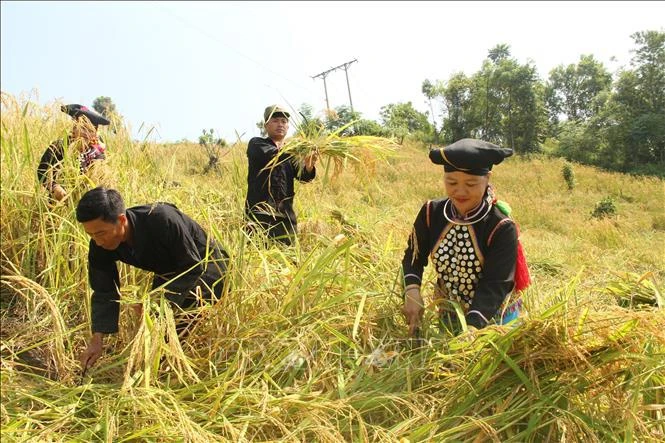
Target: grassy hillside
{"points": [[308, 344]]}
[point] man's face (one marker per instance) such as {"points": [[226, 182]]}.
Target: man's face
{"points": [[277, 127], [106, 235]]}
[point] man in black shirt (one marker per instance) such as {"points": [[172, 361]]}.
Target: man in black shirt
{"points": [[270, 192], [157, 238]]}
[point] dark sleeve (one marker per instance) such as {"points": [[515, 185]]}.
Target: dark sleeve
{"points": [[260, 152], [498, 276], [105, 283], [49, 163], [417, 250]]}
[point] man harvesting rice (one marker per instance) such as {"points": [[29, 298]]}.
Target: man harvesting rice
{"points": [[472, 241], [157, 238], [270, 192]]}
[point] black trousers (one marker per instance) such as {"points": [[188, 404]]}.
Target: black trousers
{"points": [[282, 229], [184, 306]]}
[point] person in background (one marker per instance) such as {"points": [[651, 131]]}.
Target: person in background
{"points": [[156, 237], [472, 242], [82, 140], [270, 192]]}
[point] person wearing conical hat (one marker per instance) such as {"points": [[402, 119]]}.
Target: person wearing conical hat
{"points": [[270, 191], [85, 142], [471, 242]]}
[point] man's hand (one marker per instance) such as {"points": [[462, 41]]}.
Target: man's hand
{"points": [[310, 161], [138, 309], [92, 352], [58, 192], [413, 308]]}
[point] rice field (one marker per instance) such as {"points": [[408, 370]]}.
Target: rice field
{"points": [[308, 343]]}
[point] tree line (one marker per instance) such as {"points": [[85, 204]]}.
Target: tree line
{"points": [[581, 111]]}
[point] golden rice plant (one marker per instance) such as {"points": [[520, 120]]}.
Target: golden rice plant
{"points": [[311, 138]]}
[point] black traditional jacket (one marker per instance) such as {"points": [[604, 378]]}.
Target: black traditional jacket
{"points": [[270, 191], [474, 258], [50, 163], [166, 242]]}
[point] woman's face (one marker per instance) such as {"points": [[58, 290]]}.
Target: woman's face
{"points": [[83, 131], [466, 191]]}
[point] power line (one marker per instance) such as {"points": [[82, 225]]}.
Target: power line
{"points": [[209, 35]]}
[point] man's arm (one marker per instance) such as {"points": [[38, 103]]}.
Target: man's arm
{"points": [[104, 282], [260, 152]]}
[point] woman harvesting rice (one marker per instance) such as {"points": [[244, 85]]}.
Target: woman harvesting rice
{"points": [[472, 241], [83, 138]]}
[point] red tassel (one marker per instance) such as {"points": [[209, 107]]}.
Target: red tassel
{"points": [[522, 277]]}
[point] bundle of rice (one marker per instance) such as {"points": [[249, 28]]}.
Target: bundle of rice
{"points": [[313, 139]]}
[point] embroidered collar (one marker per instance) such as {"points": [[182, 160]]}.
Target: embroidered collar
{"points": [[475, 215]]}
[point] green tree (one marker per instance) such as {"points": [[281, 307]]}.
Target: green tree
{"points": [[306, 111], [459, 118], [105, 106], [638, 106], [341, 116], [431, 91], [571, 90], [307, 123], [402, 119], [499, 52], [370, 127], [506, 103]]}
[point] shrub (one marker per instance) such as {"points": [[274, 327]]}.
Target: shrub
{"points": [[568, 175], [604, 208]]}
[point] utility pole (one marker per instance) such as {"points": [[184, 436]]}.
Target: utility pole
{"points": [[324, 74], [346, 71]]}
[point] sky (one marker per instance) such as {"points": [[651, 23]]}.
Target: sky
{"points": [[180, 67]]}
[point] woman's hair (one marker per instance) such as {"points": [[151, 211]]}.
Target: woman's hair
{"points": [[101, 203]]}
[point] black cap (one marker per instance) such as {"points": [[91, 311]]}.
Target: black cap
{"points": [[75, 111], [475, 157]]}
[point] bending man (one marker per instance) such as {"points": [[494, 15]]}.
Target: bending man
{"points": [[157, 238]]}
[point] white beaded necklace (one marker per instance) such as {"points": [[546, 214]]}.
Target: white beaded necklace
{"points": [[461, 223]]}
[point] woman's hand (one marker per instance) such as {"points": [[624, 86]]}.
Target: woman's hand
{"points": [[58, 193], [413, 309]]}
